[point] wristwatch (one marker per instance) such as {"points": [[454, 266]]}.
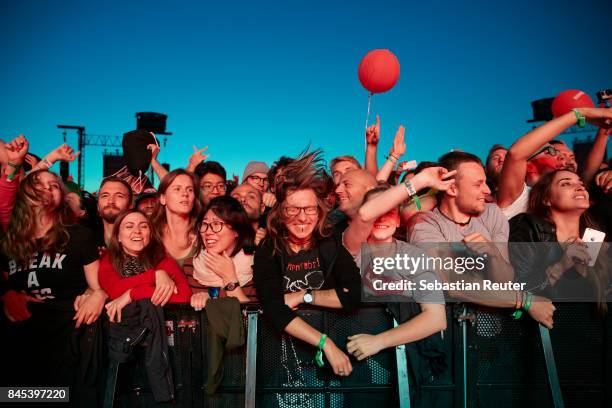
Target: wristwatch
{"points": [[231, 286], [308, 297]]}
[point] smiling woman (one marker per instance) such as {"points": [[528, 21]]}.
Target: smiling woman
{"points": [[136, 267], [301, 262], [558, 216]]}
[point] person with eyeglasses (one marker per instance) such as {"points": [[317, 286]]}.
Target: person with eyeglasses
{"points": [[532, 156], [212, 178], [256, 175], [302, 262], [223, 265]]}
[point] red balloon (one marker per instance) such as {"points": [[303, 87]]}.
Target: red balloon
{"points": [[570, 99], [379, 71]]}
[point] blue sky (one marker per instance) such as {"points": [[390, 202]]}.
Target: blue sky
{"points": [[255, 80]]}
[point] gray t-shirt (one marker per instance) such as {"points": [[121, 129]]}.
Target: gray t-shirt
{"points": [[432, 226]]}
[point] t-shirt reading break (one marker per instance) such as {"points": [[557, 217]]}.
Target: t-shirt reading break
{"points": [[59, 276], [304, 271]]}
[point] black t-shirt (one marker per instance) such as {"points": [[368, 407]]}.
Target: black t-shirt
{"points": [[59, 276], [303, 271]]}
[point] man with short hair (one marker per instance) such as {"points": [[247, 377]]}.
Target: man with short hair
{"points": [[256, 175], [351, 188], [114, 196], [341, 164], [568, 155], [212, 178], [463, 215]]}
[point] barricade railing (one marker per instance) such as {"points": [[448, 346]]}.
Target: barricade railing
{"points": [[491, 360]]}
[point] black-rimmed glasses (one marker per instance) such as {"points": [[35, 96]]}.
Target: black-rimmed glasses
{"points": [[215, 226], [294, 211]]}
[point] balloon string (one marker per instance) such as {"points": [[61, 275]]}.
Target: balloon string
{"points": [[368, 114], [366, 123]]}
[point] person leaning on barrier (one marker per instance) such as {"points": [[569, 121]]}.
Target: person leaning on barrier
{"points": [[462, 216], [558, 214], [375, 223], [137, 267], [301, 262], [224, 263]]}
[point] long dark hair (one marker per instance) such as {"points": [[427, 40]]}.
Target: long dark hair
{"points": [[540, 193], [158, 218], [231, 212], [305, 173], [150, 256], [20, 241]]}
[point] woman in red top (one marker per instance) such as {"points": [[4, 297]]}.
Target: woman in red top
{"points": [[137, 267]]}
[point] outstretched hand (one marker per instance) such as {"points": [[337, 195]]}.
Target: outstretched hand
{"points": [[399, 146], [63, 153]]}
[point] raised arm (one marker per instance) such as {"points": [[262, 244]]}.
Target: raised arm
{"points": [[196, 158], [396, 152], [61, 153], [159, 170], [512, 178], [372, 138], [596, 156], [359, 228]]}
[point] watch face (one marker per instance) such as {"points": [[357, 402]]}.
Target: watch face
{"points": [[231, 286], [308, 298]]}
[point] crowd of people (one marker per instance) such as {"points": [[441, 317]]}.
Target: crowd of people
{"points": [[75, 264]]}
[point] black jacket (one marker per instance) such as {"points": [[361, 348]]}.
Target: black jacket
{"points": [[142, 323], [340, 271], [533, 248]]}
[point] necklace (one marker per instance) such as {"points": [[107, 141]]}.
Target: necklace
{"points": [[461, 224]]}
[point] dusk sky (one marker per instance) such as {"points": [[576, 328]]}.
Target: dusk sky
{"points": [[256, 80]]}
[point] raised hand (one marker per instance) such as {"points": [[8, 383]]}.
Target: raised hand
{"points": [[437, 178], [63, 153], [399, 146], [604, 180], [31, 160], [197, 157], [373, 133], [17, 149], [601, 117], [154, 151]]}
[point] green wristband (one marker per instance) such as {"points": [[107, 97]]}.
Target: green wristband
{"points": [[581, 120], [319, 355], [527, 304], [417, 201]]}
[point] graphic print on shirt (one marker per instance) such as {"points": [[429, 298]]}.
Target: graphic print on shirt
{"points": [[303, 271], [44, 262], [55, 276]]}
